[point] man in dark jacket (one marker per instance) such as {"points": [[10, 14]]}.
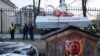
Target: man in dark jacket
{"points": [[12, 30], [25, 32], [31, 28]]}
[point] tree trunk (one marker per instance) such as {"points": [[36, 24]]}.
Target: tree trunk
{"points": [[84, 7], [36, 13]]}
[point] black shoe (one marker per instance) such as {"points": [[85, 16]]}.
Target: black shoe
{"points": [[23, 39], [11, 39], [26, 38]]}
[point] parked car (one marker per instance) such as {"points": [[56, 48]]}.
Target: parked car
{"points": [[17, 48]]}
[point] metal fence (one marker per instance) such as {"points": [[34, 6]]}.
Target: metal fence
{"points": [[6, 17], [18, 17], [22, 16]]}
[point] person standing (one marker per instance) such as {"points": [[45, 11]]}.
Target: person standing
{"points": [[93, 28], [25, 32], [12, 30], [31, 28]]}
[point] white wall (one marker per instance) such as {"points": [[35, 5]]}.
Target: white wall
{"points": [[26, 19], [6, 21]]}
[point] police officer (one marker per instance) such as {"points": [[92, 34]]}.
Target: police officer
{"points": [[12, 30], [93, 28], [25, 31], [82, 28], [31, 28]]}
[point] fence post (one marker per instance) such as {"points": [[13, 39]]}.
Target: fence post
{"points": [[20, 20], [1, 20]]}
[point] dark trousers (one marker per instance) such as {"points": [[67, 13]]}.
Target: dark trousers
{"points": [[12, 35], [31, 36], [25, 36]]}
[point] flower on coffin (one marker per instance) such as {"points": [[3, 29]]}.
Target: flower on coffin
{"points": [[58, 12]]}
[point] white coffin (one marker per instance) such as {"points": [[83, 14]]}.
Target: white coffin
{"points": [[59, 22]]}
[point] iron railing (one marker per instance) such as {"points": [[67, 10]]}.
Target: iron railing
{"points": [[22, 16]]}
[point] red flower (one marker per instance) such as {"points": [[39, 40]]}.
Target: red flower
{"points": [[64, 13], [57, 12]]}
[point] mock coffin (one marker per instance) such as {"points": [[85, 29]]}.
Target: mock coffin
{"points": [[59, 22]]}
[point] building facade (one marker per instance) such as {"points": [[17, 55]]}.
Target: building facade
{"points": [[6, 15], [26, 15]]}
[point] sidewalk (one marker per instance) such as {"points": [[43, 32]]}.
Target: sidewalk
{"points": [[4, 36]]}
